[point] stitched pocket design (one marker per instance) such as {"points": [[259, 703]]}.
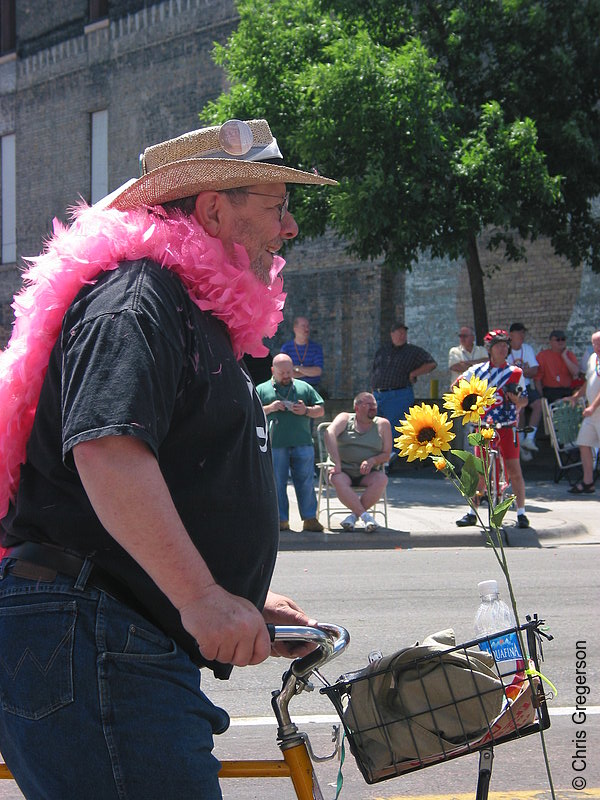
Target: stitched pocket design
{"points": [[36, 658]]}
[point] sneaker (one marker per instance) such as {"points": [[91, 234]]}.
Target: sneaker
{"points": [[349, 523], [312, 524], [529, 444], [525, 455], [284, 525], [522, 521], [370, 524], [467, 521]]}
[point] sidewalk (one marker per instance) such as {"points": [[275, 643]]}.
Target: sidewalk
{"points": [[423, 507]]}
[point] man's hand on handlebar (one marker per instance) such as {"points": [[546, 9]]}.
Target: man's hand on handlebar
{"points": [[281, 610]]}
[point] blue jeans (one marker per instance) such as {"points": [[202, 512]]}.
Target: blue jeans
{"points": [[394, 404], [300, 461], [96, 702]]}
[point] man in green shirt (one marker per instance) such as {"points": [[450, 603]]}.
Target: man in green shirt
{"points": [[290, 405]]}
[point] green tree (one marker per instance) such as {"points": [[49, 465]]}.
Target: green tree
{"points": [[440, 119]]}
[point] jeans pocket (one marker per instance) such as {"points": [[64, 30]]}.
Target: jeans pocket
{"points": [[36, 658], [144, 642]]}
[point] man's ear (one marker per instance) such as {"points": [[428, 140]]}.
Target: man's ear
{"points": [[208, 211]]}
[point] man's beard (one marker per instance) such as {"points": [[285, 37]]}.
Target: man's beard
{"points": [[262, 272]]}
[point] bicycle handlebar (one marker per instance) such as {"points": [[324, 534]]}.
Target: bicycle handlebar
{"points": [[331, 640]]}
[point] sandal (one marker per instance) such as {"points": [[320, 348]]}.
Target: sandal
{"points": [[582, 488]]}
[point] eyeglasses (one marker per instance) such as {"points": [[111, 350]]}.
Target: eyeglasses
{"points": [[283, 208], [560, 338], [464, 335]]}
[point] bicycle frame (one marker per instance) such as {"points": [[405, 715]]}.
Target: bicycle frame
{"points": [[296, 764]]}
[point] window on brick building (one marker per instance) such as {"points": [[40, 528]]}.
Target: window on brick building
{"points": [[8, 199], [98, 9], [99, 154], [7, 26]]}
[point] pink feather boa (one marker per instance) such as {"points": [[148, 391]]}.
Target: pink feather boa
{"points": [[97, 241]]}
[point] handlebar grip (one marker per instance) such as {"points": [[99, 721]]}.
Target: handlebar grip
{"points": [[271, 630]]}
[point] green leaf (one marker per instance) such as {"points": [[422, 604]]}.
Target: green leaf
{"points": [[462, 454], [500, 510], [469, 476]]}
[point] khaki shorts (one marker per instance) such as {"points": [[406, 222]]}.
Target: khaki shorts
{"points": [[589, 433]]}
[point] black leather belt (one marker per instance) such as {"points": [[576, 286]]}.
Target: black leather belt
{"points": [[42, 562], [395, 389]]}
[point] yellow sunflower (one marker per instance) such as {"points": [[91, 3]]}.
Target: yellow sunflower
{"points": [[470, 399], [425, 432]]}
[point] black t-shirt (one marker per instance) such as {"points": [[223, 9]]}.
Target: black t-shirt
{"points": [[137, 357]]}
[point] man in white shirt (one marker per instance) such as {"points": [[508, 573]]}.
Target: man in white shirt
{"points": [[466, 353], [523, 355]]}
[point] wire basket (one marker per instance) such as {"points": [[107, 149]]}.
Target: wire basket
{"points": [[418, 708]]}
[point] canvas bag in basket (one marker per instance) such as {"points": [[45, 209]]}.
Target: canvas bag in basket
{"points": [[420, 702]]}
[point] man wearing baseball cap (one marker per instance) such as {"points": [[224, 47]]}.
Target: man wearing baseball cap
{"points": [[137, 501], [396, 367]]}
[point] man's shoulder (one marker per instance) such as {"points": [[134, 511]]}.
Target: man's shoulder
{"points": [[141, 286], [286, 347], [416, 349], [342, 418], [264, 388], [527, 348], [382, 422]]}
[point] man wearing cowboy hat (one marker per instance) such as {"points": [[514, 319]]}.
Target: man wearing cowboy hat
{"points": [[137, 505]]}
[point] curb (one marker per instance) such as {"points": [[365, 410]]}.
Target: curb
{"points": [[387, 539]]}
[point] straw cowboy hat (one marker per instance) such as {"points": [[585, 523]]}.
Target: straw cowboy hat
{"points": [[226, 156]]}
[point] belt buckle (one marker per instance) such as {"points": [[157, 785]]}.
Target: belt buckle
{"points": [[34, 572]]}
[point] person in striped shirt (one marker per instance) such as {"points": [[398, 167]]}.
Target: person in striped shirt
{"points": [[511, 396], [306, 355]]}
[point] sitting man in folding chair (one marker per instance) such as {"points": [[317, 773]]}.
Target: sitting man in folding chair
{"points": [[359, 444]]}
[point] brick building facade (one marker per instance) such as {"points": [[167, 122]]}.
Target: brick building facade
{"points": [[148, 65]]}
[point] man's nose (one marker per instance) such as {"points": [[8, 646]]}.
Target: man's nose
{"points": [[289, 226]]}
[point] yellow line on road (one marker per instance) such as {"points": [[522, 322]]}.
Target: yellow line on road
{"points": [[517, 794]]}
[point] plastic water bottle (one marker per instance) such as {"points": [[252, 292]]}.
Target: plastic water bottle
{"points": [[493, 616]]}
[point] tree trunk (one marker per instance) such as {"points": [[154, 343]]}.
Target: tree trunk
{"points": [[477, 290]]}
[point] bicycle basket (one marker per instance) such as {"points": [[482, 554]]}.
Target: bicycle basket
{"points": [[427, 704]]}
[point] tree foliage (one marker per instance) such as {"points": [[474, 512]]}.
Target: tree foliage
{"points": [[439, 119]]}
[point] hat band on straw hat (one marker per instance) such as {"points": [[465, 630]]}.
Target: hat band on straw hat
{"points": [[229, 156]]}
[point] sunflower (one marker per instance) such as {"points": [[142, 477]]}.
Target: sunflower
{"points": [[470, 399], [425, 432]]}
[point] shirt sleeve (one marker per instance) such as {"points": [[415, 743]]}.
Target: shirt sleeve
{"points": [[422, 357], [454, 356], [287, 348], [317, 355], [120, 377], [531, 359]]}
